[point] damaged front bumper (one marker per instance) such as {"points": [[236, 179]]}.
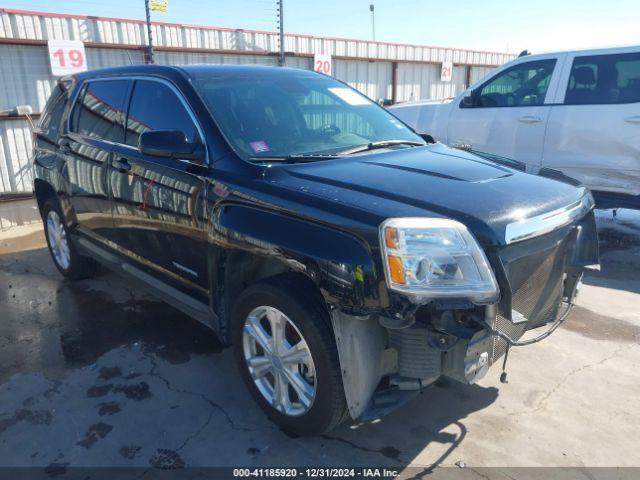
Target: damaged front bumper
{"points": [[386, 361]]}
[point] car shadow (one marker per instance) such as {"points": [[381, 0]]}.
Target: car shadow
{"points": [[435, 419], [77, 323]]}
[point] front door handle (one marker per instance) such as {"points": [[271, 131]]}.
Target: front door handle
{"points": [[462, 146], [121, 164], [529, 119], [633, 119]]}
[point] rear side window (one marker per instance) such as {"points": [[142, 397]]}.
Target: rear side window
{"points": [[52, 115], [98, 111], [155, 106], [604, 79], [525, 84]]}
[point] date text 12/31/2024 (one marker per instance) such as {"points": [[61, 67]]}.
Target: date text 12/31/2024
{"points": [[322, 472]]}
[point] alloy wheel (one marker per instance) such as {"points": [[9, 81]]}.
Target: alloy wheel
{"points": [[279, 361], [58, 240]]}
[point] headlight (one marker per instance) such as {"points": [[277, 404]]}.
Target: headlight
{"points": [[435, 257]]}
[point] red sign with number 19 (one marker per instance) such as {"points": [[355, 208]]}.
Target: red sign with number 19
{"points": [[66, 57]]}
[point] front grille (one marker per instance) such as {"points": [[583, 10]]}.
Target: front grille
{"points": [[535, 273]]}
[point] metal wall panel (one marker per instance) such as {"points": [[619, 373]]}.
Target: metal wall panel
{"points": [[422, 81], [15, 151], [371, 78], [305, 63], [33, 25], [191, 58], [109, 57], [25, 76], [478, 73]]}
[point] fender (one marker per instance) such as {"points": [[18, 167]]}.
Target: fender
{"points": [[252, 243]]}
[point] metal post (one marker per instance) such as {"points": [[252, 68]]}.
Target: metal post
{"points": [[281, 29], [373, 21], [150, 45], [394, 82]]}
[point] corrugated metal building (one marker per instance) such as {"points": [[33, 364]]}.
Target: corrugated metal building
{"points": [[381, 70]]}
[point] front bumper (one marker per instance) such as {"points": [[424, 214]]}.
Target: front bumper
{"points": [[536, 276], [462, 341]]}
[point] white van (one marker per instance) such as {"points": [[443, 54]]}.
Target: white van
{"points": [[573, 112]]}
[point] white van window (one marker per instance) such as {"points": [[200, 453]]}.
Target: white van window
{"points": [[604, 79], [524, 84]]}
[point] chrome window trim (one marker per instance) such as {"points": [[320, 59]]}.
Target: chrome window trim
{"points": [[547, 222], [164, 81]]}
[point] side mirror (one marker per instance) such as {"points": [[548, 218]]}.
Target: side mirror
{"points": [[170, 144], [468, 100], [427, 138]]}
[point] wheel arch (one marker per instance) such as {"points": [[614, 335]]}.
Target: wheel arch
{"points": [[254, 244], [43, 191]]}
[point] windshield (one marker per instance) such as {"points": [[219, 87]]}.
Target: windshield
{"points": [[288, 113]]}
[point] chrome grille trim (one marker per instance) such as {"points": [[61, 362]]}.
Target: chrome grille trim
{"points": [[547, 222]]}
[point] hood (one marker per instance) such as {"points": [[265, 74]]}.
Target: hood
{"points": [[433, 181]]}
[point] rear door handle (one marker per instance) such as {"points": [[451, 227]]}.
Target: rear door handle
{"points": [[64, 145], [121, 164], [633, 119], [529, 119]]}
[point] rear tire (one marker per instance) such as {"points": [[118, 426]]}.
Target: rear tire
{"points": [[63, 252], [307, 325]]}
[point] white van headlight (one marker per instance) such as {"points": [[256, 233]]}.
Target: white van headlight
{"points": [[435, 257]]}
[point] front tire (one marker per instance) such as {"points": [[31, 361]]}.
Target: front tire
{"points": [[63, 252], [287, 356]]}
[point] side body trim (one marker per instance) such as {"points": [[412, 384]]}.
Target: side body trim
{"points": [[183, 302]]}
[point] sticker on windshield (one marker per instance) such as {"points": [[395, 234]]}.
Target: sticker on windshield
{"points": [[349, 96], [259, 146]]}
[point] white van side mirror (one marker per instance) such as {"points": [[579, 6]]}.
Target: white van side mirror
{"points": [[23, 110], [467, 100]]}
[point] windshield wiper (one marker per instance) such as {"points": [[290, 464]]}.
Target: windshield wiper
{"points": [[314, 157], [296, 158], [380, 144]]}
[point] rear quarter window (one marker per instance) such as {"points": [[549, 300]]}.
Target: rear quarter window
{"points": [[51, 119], [99, 110]]}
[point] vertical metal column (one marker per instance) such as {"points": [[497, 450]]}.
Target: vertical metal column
{"points": [[372, 9], [394, 82], [150, 45], [281, 59]]}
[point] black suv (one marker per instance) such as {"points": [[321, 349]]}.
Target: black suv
{"points": [[348, 261]]}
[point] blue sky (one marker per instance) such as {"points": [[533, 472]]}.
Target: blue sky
{"points": [[498, 25]]}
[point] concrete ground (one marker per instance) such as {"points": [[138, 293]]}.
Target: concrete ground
{"points": [[99, 373]]}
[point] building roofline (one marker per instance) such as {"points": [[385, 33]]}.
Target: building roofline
{"points": [[229, 29]]}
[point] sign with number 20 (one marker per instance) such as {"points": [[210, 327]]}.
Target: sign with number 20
{"points": [[322, 63], [66, 57]]}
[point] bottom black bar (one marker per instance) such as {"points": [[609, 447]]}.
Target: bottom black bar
{"points": [[63, 471]]}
